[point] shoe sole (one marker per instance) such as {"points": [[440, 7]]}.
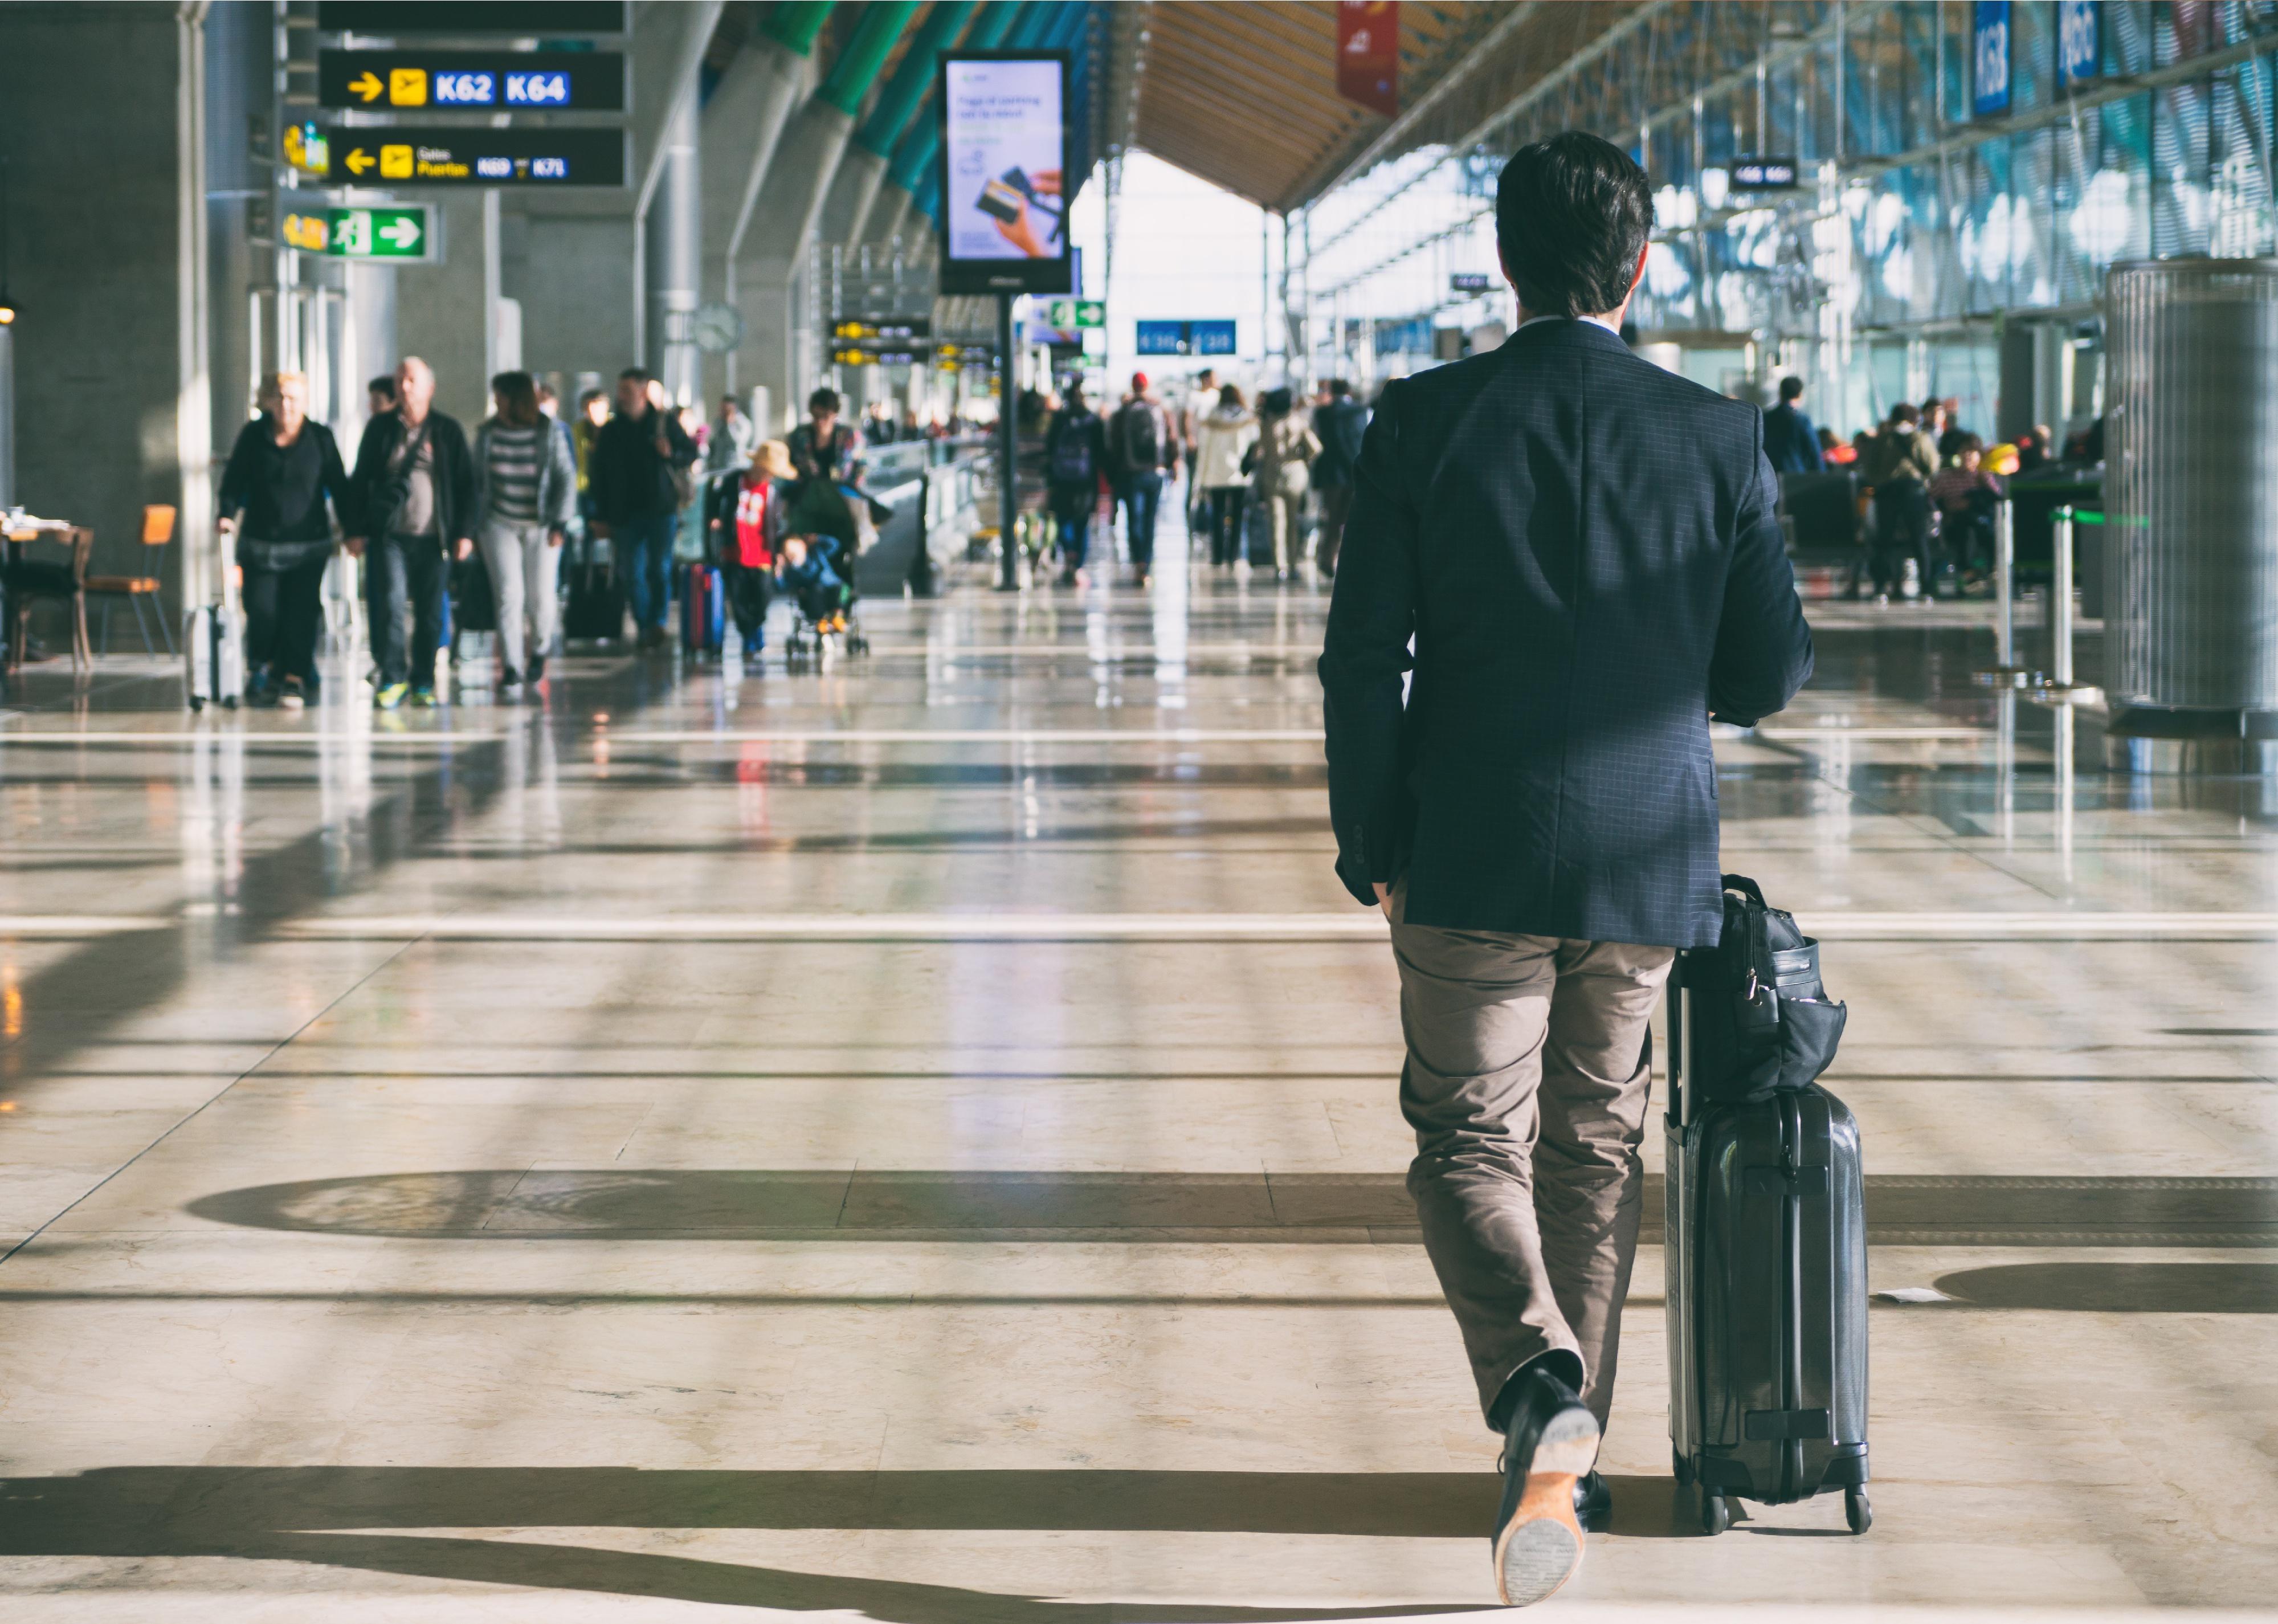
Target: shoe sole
{"points": [[1540, 1548]]}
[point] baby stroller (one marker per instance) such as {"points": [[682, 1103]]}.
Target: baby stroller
{"points": [[820, 643]]}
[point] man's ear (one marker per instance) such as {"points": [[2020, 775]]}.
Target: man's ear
{"points": [[1637, 271]]}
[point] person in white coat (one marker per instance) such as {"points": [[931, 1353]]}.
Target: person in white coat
{"points": [[1223, 442]]}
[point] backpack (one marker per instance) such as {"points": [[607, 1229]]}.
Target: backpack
{"points": [[1761, 1021], [1139, 431], [1071, 460]]}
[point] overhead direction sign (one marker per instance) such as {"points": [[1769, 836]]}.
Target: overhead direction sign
{"points": [[476, 157], [527, 18], [398, 234], [895, 330], [478, 81], [1069, 314], [1186, 338], [1763, 174]]}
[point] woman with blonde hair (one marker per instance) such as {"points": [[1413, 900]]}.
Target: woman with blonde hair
{"points": [[526, 485], [272, 496]]}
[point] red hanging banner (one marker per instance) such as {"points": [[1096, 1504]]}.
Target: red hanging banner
{"points": [[1368, 54]]}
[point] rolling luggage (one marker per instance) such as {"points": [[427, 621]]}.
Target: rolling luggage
{"points": [[596, 609], [213, 657], [703, 609], [1765, 1245]]}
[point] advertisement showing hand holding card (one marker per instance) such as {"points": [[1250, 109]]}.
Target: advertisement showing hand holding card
{"points": [[1003, 187]]}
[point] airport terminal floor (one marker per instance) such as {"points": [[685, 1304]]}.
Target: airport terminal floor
{"points": [[917, 1142]]}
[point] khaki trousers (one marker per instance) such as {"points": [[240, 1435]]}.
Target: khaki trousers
{"points": [[1529, 1067]]}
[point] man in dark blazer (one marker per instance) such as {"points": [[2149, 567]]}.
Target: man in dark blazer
{"points": [[1791, 442], [1583, 550]]}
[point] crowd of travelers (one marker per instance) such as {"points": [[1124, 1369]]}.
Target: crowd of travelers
{"points": [[1927, 488], [1274, 481], [470, 532]]}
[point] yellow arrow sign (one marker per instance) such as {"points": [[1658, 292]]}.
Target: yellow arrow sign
{"points": [[359, 160], [366, 85]]}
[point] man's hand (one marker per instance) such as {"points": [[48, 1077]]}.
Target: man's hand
{"points": [[355, 544], [227, 526], [554, 537], [465, 548], [1384, 897]]}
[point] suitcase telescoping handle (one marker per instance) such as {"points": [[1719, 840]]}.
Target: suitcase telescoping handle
{"points": [[1680, 1042]]}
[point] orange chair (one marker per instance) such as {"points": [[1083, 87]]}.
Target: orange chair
{"points": [[158, 531]]}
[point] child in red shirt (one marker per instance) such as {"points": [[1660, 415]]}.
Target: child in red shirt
{"points": [[748, 539]]}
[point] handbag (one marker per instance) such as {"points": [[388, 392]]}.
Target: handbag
{"points": [[1762, 1019]]}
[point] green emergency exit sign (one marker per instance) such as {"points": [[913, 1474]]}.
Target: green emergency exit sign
{"points": [[399, 233], [1069, 313]]}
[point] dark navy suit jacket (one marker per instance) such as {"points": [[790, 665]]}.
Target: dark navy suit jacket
{"points": [[1583, 548]]}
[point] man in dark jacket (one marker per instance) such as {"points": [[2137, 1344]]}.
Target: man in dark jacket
{"points": [[1583, 548], [1791, 442], [1142, 442], [414, 492], [635, 503], [1075, 455], [1339, 425]]}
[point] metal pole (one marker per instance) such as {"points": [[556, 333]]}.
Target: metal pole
{"points": [[2005, 584], [1008, 455], [2060, 605]]}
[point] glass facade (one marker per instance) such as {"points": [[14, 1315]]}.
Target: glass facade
{"points": [[1960, 168]]}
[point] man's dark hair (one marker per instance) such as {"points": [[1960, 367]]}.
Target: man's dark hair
{"points": [[824, 400], [1790, 388], [1339, 388], [383, 385], [1905, 412], [639, 374], [1572, 215]]}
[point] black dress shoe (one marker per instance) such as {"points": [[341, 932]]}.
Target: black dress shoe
{"points": [[1594, 1503], [1551, 1442]]}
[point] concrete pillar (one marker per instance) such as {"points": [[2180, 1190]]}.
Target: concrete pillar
{"points": [[675, 245], [745, 116], [848, 207], [447, 314]]}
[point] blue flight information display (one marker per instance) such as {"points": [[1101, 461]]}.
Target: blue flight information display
{"points": [[472, 81], [1186, 338]]}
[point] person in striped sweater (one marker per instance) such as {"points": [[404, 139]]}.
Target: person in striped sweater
{"points": [[526, 480]]}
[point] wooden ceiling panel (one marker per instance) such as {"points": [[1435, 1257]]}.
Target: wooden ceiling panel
{"points": [[1244, 93]]}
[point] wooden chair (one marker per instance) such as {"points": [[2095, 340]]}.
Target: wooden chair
{"points": [[28, 579], [158, 531]]}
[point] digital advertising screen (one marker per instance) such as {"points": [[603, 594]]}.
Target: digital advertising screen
{"points": [[1004, 185]]}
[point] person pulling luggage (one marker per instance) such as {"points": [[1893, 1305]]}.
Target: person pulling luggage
{"points": [[1583, 552]]}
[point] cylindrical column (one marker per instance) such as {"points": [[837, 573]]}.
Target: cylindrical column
{"points": [[676, 236], [1008, 453]]}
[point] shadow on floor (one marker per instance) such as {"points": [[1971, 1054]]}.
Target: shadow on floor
{"points": [[1137, 1207], [2119, 1288], [266, 1514]]}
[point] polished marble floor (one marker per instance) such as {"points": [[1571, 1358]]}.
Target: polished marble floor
{"points": [[916, 1142]]}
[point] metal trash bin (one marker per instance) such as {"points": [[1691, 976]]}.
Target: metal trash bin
{"points": [[2191, 497]]}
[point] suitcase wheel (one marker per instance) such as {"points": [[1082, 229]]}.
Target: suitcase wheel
{"points": [[1716, 1514], [1682, 1466], [1856, 1510]]}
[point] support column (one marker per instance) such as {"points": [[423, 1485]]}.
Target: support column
{"points": [[789, 206], [747, 114], [675, 243], [447, 314]]}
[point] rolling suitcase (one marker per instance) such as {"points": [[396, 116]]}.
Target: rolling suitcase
{"points": [[596, 610], [1765, 1247], [703, 609], [213, 657]]}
